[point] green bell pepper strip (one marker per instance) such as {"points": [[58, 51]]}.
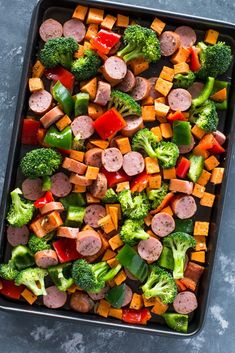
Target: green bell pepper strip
{"points": [[62, 95], [116, 296], [182, 133], [205, 93], [81, 104], [46, 183], [22, 257], [184, 225], [129, 258], [75, 215], [177, 322], [218, 85], [196, 167], [59, 139], [61, 276], [73, 199], [166, 259], [222, 105]]}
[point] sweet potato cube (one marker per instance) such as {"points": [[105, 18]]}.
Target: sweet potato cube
{"points": [[211, 163], [92, 30], [155, 181], [79, 188], [158, 25], [91, 199], [100, 143], [167, 210], [166, 130], [95, 16], [125, 185], [148, 113], [169, 173], [217, 175], [108, 22], [198, 256], [180, 56], [107, 224], [157, 132], [198, 132], [115, 242], [116, 313], [198, 190], [35, 84], [151, 165], [207, 199], [138, 65], [201, 228], [122, 21], [181, 68], [109, 254], [80, 52], [200, 242], [80, 12], [159, 307], [63, 123], [29, 296], [77, 155], [161, 109], [38, 69], [167, 73], [136, 302], [112, 263], [211, 36], [204, 178], [163, 86], [124, 145], [92, 172], [120, 278], [103, 308]]}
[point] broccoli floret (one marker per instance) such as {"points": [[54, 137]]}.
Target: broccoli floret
{"points": [[124, 103], [167, 154], [8, 271], [40, 162], [20, 211], [92, 277], [87, 66], [179, 243], [160, 284], [58, 51], [22, 257], [205, 116], [78, 143], [110, 196], [36, 244], [61, 276], [215, 59], [184, 80], [134, 207], [140, 42], [177, 322], [31, 277], [146, 140], [131, 232], [157, 195]]}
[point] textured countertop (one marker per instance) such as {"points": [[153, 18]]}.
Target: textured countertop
{"points": [[21, 334]]}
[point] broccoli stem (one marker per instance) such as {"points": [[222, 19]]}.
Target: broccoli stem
{"points": [[141, 234], [111, 273], [136, 53], [127, 49], [66, 61], [150, 151], [178, 267]]}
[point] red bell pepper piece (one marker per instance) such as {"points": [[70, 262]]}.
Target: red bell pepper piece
{"points": [[132, 316], [109, 123], [60, 74], [194, 64], [44, 200], [182, 167], [66, 250], [10, 289], [113, 178], [209, 143], [62, 151], [140, 182], [176, 116], [29, 131], [104, 41]]}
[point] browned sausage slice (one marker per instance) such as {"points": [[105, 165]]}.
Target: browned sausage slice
{"points": [[99, 186], [162, 224], [40, 102], [51, 206], [187, 36], [81, 302], [93, 157], [195, 89], [133, 163], [193, 271], [133, 124], [114, 70], [17, 235], [184, 206], [185, 302], [32, 189], [61, 185], [46, 258], [179, 99], [74, 28], [128, 83], [51, 117], [184, 186], [80, 180], [187, 148], [74, 166], [169, 43], [55, 298], [103, 93], [150, 249], [93, 214], [128, 296], [100, 295], [141, 89], [50, 29], [83, 127], [88, 242], [112, 159], [67, 232]]}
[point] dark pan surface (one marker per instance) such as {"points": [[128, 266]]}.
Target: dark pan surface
{"points": [[63, 11]]}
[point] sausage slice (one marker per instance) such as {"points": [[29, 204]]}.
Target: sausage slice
{"points": [[133, 124], [40, 102], [51, 117], [103, 93], [99, 186], [74, 28], [133, 163], [114, 70], [51, 206], [61, 185], [185, 302], [81, 302], [128, 83], [74, 166], [184, 206], [169, 43], [150, 249], [46, 258], [112, 159], [187, 35], [93, 214], [88, 242], [55, 298], [17, 235], [83, 127], [50, 29], [93, 157], [162, 224], [184, 186], [67, 232], [179, 99], [32, 189], [141, 89]]}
